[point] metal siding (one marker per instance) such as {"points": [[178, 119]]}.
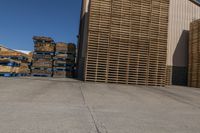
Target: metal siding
{"points": [[82, 44], [181, 14]]}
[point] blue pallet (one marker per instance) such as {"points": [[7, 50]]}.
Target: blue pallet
{"points": [[7, 75], [59, 69], [43, 53], [41, 75], [11, 64], [60, 65], [60, 59], [42, 68], [12, 75], [14, 57], [63, 65], [57, 53], [19, 75]]}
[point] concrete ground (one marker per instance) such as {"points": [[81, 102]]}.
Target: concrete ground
{"points": [[41, 105]]}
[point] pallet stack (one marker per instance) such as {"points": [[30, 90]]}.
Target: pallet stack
{"points": [[59, 68], [64, 60], [23, 61], [42, 64], [14, 55], [127, 42], [23, 69], [194, 55], [14, 63], [10, 68], [71, 59]]}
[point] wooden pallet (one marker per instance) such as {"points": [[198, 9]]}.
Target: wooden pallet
{"points": [[61, 47], [194, 55], [48, 56], [127, 42], [6, 75], [40, 75], [13, 74], [43, 44], [64, 60], [42, 63]]}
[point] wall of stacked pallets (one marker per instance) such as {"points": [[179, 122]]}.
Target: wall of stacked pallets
{"points": [[127, 42], [44, 50], [194, 55]]}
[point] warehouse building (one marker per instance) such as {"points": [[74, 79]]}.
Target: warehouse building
{"points": [[181, 14], [123, 41]]}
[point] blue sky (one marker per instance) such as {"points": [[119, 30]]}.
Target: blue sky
{"points": [[20, 20]]}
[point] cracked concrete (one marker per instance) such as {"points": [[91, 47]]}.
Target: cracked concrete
{"points": [[42, 105]]}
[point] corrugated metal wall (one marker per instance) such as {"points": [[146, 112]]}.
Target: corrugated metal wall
{"points": [[85, 4], [82, 42], [181, 14]]}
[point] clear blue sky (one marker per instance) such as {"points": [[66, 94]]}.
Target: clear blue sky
{"points": [[21, 19]]}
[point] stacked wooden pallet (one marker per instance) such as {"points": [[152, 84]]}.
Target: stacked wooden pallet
{"points": [[53, 59], [14, 63], [194, 55], [23, 69], [12, 68], [42, 64], [8, 67], [59, 69], [15, 56], [71, 60], [64, 60], [127, 42]]}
